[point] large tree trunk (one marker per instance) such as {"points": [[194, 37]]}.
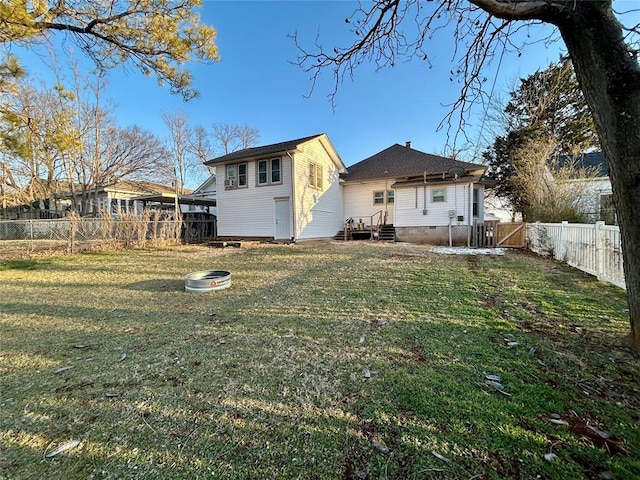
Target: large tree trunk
{"points": [[610, 80]]}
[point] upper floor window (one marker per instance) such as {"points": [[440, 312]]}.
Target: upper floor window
{"points": [[269, 171], [438, 195], [236, 175], [315, 175]]}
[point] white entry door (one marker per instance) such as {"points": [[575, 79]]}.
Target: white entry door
{"points": [[283, 225]]}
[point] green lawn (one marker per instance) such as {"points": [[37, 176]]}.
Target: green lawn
{"points": [[322, 361]]}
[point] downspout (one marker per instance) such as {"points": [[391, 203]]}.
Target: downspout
{"points": [[293, 197], [469, 213]]}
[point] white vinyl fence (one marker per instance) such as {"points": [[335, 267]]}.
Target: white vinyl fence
{"points": [[595, 249]]}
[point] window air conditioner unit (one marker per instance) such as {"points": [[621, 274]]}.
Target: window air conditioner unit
{"points": [[229, 183]]}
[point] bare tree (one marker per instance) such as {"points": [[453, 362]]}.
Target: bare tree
{"points": [[229, 138], [189, 147], [602, 49], [59, 141], [555, 188], [178, 145]]}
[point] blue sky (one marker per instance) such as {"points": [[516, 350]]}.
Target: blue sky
{"points": [[256, 83]]}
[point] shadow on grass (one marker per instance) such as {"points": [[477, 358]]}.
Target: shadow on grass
{"points": [[157, 285]]}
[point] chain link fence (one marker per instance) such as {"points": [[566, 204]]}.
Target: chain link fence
{"points": [[74, 234]]}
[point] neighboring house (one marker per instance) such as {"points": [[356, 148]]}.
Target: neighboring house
{"points": [[122, 197], [207, 190], [427, 198], [301, 190], [499, 208], [283, 191], [600, 201]]}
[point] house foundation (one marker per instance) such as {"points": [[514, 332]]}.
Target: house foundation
{"points": [[434, 235]]}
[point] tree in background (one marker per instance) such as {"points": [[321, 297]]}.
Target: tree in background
{"points": [[547, 112], [602, 49], [154, 36], [59, 141], [229, 138], [553, 188]]}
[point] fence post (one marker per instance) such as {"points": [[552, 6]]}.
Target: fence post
{"points": [[562, 248], [599, 250]]}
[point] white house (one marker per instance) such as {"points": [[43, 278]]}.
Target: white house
{"points": [[283, 191], [301, 190], [427, 198], [600, 196]]}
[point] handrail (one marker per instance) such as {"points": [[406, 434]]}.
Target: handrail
{"points": [[378, 224], [375, 223]]}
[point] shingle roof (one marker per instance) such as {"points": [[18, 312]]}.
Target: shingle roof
{"points": [[403, 162], [260, 151], [592, 160]]}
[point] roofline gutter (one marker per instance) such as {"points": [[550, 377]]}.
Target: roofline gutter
{"points": [[250, 158]]}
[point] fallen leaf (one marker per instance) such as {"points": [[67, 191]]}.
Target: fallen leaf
{"points": [[80, 345], [111, 395], [122, 357], [556, 421], [62, 369], [223, 340], [367, 373], [550, 457], [494, 378], [62, 448], [440, 456], [362, 339], [600, 433]]}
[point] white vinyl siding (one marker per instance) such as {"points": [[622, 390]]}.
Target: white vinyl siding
{"points": [[410, 204], [359, 201], [250, 212], [316, 211], [318, 202]]}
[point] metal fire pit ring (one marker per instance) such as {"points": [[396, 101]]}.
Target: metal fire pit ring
{"points": [[207, 280]]}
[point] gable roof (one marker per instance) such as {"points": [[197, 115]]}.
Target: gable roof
{"points": [[399, 161], [592, 160], [255, 152]]}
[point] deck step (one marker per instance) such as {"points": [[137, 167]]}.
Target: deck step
{"points": [[387, 234]]}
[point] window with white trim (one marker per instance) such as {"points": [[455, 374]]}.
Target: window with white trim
{"points": [[236, 175], [378, 198], [269, 171], [391, 197], [438, 195], [315, 175]]}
